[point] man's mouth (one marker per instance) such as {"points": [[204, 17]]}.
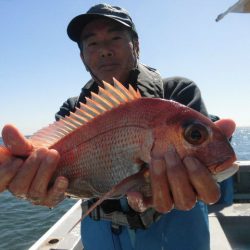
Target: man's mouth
{"points": [[108, 66]]}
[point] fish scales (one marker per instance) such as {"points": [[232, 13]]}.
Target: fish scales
{"points": [[102, 147], [115, 144], [107, 149], [105, 159]]}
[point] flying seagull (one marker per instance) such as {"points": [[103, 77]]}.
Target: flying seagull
{"points": [[242, 6]]}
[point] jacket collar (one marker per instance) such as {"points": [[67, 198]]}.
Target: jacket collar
{"points": [[146, 79]]}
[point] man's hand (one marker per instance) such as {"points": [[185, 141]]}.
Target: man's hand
{"points": [[30, 178], [180, 184]]}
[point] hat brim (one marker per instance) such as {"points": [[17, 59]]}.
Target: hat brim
{"points": [[77, 24]]}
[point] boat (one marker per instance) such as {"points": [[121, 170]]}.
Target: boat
{"points": [[242, 6], [60, 236], [229, 225]]}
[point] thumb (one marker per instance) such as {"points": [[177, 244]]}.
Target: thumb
{"points": [[227, 126], [15, 141]]}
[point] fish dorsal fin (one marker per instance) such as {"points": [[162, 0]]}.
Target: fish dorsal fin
{"points": [[109, 97]]}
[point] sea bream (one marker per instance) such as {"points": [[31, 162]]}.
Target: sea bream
{"points": [[109, 142]]}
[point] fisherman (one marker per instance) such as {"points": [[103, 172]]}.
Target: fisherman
{"points": [[109, 47]]}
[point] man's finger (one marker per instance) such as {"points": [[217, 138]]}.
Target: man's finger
{"points": [[15, 141], [183, 194], [227, 126], [57, 193], [47, 167], [21, 183], [8, 170], [137, 202], [162, 200], [202, 180]]}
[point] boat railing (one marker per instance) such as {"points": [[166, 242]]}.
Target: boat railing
{"points": [[60, 236]]}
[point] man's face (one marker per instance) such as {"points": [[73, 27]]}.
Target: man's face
{"points": [[108, 50]]}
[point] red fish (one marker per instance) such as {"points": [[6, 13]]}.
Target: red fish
{"points": [[108, 143]]}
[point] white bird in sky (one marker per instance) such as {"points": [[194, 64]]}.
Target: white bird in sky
{"points": [[242, 6]]}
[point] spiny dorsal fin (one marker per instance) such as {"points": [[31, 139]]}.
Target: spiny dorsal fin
{"points": [[108, 98]]}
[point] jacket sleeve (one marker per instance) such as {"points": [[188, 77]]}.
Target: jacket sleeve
{"points": [[67, 106], [184, 91]]}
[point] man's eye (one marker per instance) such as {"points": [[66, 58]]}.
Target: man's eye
{"points": [[116, 38], [92, 44]]}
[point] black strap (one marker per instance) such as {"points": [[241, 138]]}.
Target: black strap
{"points": [[142, 220], [111, 210]]}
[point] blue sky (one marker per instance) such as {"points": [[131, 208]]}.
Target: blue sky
{"points": [[40, 66]]}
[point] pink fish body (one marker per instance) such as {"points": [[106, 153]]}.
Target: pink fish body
{"points": [[117, 133]]}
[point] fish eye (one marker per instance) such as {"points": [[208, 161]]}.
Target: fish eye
{"points": [[196, 134]]}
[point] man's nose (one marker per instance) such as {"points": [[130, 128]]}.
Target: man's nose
{"points": [[105, 51]]}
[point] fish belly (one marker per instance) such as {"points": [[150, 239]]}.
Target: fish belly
{"points": [[94, 166]]}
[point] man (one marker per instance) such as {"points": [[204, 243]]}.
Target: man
{"points": [[109, 47]]}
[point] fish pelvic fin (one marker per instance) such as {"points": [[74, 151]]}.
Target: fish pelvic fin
{"points": [[94, 206], [126, 185], [108, 98]]}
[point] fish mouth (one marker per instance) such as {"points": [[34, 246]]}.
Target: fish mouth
{"points": [[222, 165], [223, 175]]}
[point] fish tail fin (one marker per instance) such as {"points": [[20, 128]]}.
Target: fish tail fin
{"points": [[120, 189], [4, 154]]}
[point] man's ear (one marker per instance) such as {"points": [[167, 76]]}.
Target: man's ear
{"points": [[82, 58], [136, 47]]}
